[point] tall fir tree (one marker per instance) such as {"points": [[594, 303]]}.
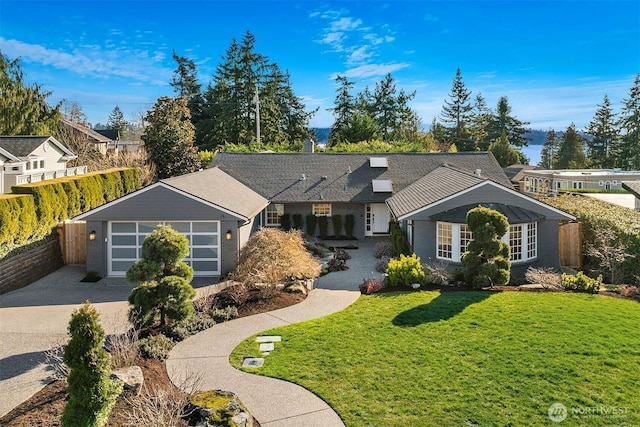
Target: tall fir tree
{"points": [[629, 124], [24, 109], [505, 154], [116, 121], [480, 119], [571, 150], [503, 121], [185, 84], [343, 110], [168, 138], [549, 152], [603, 147], [456, 112]]}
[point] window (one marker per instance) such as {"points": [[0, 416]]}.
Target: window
{"points": [[578, 185], [274, 214], [41, 164], [322, 209], [521, 238], [28, 165]]}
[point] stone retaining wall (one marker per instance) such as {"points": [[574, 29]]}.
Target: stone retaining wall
{"points": [[25, 268]]}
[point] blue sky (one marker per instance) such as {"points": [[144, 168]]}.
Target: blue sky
{"points": [[554, 60]]}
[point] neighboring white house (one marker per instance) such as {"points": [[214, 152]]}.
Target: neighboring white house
{"points": [[27, 159], [542, 181]]}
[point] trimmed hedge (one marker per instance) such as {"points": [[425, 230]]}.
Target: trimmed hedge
{"points": [[34, 210], [595, 214]]}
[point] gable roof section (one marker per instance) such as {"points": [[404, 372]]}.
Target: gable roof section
{"points": [[633, 187], [343, 177], [96, 136], [211, 187], [23, 145], [439, 184], [515, 214]]}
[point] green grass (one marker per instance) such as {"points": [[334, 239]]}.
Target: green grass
{"points": [[466, 358]]}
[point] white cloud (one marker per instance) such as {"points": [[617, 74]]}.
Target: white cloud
{"points": [[359, 55], [374, 70], [345, 24]]}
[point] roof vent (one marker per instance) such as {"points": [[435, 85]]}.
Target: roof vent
{"points": [[349, 171], [478, 172], [303, 177]]}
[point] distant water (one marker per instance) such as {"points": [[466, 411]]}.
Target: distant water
{"points": [[533, 153]]}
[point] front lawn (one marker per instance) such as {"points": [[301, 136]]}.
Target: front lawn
{"points": [[467, 358]]}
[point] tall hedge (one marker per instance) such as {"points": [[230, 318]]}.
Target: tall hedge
{"points": [[595, 215], [40, 206]]}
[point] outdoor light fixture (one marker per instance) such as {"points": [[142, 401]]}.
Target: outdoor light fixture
{"points": [[229, 235], [92, 235]]}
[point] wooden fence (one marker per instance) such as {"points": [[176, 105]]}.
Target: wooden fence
{"points": [[570, 242], [73, 241]]}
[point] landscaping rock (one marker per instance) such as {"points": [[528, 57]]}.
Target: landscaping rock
{"points": [[296, 287], [217, 407], [132, 378]]}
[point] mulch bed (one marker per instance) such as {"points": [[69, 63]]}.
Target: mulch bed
{"points": [[45, 407]]}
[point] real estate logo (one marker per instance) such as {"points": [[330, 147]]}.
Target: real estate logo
{"points": [[557, 412]]}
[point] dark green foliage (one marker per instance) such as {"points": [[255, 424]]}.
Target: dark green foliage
{"points": [[297, 221], [337, 225], [323, 226], [457, 114], [311, 224], [182, 329], [505, 154], [156, 347], [164, 290], [285, 222], [220, 315], [92, 393], [349, 224], [398, 239], [629, 123], [112, 187], [486, 261], [571, 150]]}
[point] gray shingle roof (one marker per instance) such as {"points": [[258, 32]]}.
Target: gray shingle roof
{"points": [[437, 185], [632, 186], [344, 177], [515, 214], [95, 135], [21, 146], [215, 186]]}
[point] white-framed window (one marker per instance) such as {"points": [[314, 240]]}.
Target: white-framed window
{"points": [[578, 185], [274, 215], [452, 241], [321, 209]]}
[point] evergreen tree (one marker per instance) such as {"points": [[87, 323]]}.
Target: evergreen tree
{"points": [[244, 80], [343, 110], [92, 393], [163, 291], [603, 148], [629, 124], [571, 150], [456, 112], [549, 152], [168, 138], [505, 154], [504, 121], [481, 117], [24, 109], [116, 121], [360, 128], [185, 84]]}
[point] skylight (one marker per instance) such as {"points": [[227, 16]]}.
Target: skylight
{"points": [[382, 186], [378, 162]]}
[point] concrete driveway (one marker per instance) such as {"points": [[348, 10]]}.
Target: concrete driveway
{"points": [[34, 318]]}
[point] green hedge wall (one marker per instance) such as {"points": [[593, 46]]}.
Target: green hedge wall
{"points": [[595, 214], [33, 210]]}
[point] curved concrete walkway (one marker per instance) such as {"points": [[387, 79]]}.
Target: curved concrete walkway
{"points": [[273, 402]]}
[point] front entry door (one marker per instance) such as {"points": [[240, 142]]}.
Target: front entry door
{"points": [[378, 217]]}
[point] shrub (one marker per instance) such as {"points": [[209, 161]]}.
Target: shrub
{"points": [[581, 283], [311, 224], [337, 264], [224, 314], [323, 226], [272, 256], [383, 249], [337, 225], [341, 254], [156, 347], [92, 393], [398, 239], [629, 291], [285, 222], [182, 329], [382, 264], [405, 271], [545, 276], [486, 261], [436, 273], [349, 224], [123, 348], [370, 286], [297, 221]]}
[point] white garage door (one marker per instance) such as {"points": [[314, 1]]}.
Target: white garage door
{"points": [[125, 244]]}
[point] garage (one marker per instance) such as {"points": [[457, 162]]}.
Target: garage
{"points": [[126, 238]]}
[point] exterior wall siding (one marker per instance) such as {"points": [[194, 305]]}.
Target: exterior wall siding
{"points": [[355, 209]]}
